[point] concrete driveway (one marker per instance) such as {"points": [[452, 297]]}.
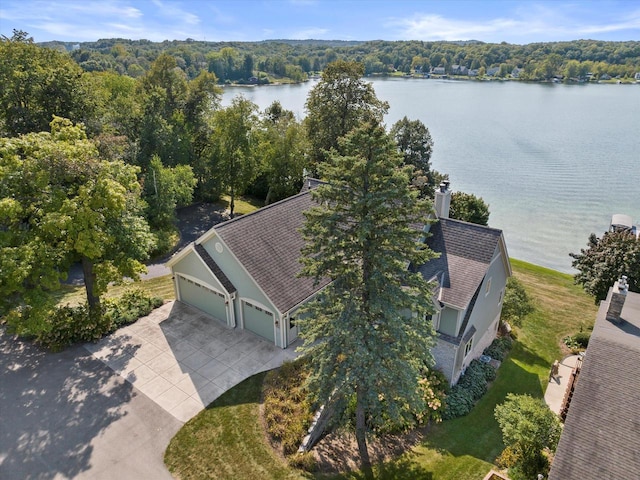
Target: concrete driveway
{"points": [[108, 410], [67, 415], [183, 359]]}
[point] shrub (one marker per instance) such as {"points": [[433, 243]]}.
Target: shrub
{"points": [[517, 304], [488, 371], [470, 388], [287, 412], [499, 348], [68, 325], [458, 403], [578, 341], [130, 306], [304, 461]]}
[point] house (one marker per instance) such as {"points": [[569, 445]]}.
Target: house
{"points": [[438, 71], [459, 70], [471, 274], [601, 435], [244, 272], [493, 71]]}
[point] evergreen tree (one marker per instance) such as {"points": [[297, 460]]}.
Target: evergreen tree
{"points": [[367, 335]]}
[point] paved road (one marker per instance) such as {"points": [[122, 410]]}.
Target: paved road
{"points": [[67, 415]]}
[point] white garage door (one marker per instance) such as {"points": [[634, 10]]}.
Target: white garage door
{"points": [[258, 320], [203, 298]]}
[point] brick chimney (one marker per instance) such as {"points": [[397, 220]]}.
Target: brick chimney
{"points": [[618, 296], [443, 200]]}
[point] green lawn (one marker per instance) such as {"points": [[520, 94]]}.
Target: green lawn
{"points": [[226, 441], [243, 205], [464, 448], [160, 286]]}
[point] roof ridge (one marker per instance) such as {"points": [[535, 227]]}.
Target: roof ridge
{"points": [[259, 210], [471, 224]]}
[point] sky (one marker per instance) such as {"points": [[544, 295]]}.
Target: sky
{"points": [[512, 21]]}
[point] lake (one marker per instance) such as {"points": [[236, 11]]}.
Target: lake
{"points": [[553, 161]]}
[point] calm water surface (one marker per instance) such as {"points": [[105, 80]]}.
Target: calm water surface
{"points": [[554, 162]]}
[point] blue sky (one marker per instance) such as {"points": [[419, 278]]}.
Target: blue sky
{"points": [[513, 21]]}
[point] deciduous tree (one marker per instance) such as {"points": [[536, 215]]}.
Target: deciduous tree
{"points": [[416, 145], [59, 203], [605, 260], [469, 208], [528, 427], [367, 336], [233, 141], [341, 101], [38, 83]]}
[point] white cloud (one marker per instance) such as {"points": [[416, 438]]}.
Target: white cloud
{"points": [[173, 11], [560, 22]]}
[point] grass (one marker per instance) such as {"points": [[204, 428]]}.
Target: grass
{"points": [[464, 448], [159, 286], [243, 205], [226, 441]]}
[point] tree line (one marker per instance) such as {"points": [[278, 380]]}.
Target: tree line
{"points": [[295, 60]]}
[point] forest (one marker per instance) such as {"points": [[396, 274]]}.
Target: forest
{"points": [[294, 60]]}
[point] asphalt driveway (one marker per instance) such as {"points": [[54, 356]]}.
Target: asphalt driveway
{"points": [[68, 415]]}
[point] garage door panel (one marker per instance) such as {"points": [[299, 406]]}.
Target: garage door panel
{"points": [[258, 320], [203, 298]]}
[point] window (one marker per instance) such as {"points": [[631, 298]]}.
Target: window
{"points": [[501, 296], [434, 319], [292, 322], [468, 347], [488, 288]]}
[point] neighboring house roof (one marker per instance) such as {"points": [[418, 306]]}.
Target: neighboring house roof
{"points": [[215, 269], [267, 242], [601, 436], [311, 183], [466, 250]]}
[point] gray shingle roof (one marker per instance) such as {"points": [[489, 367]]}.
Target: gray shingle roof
{"points": [[466, 250], [268, 244], [215, 269], [601, 437]]}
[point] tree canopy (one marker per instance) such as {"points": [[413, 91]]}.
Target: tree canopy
{"points": [[59, 203], [341, 101], [370, 337], [469, 208], [528, 427], [605, 260], [416, 145]]}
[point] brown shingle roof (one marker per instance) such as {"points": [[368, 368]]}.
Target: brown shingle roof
{"points": [[268, 244], [601, 436], [466, 250], [215, 269]]}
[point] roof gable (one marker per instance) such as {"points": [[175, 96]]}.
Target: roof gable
{"points": [[268, 243], [466, 251]]}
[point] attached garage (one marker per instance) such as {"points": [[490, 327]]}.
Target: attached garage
{"points": [[202, 297], [258, 320]]}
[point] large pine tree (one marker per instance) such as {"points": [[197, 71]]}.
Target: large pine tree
{"points": [[367, 335]]}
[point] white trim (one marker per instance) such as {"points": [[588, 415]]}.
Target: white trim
{"points": [[254, 304], [273, 307], [227, 298], [180, 255]]}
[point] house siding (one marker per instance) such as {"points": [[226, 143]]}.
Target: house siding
{"points": [[192, 265], [487, 310], [449, 321], [247, 288]]}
